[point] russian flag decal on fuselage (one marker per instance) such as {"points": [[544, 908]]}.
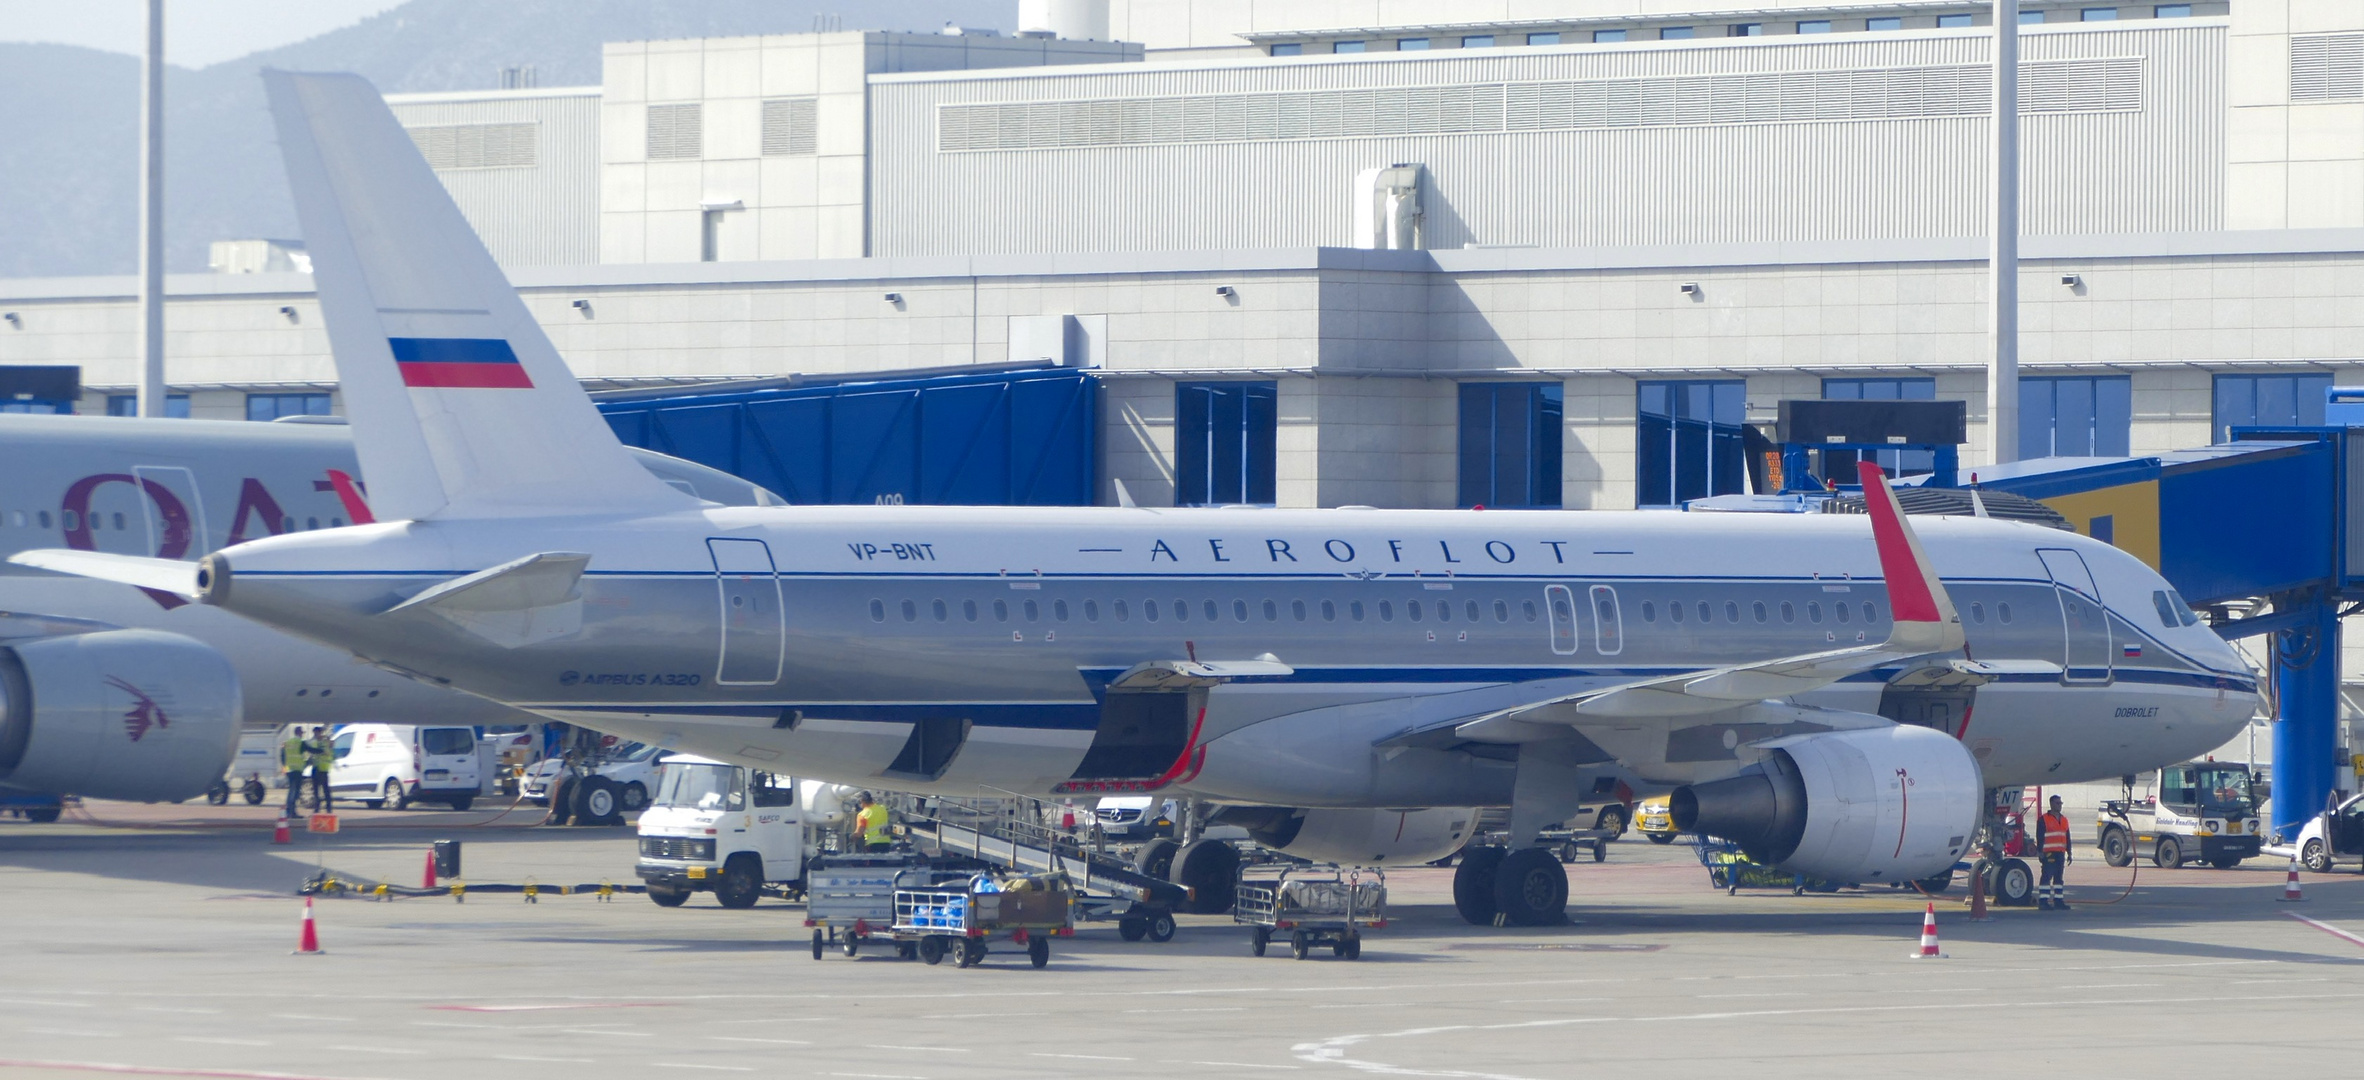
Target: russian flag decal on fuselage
{"points": [[478, 363]]}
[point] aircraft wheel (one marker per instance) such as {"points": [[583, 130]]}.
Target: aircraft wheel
{"points": [[219, 793], [1210, 870], [2015, 884], [254, 792], [1531, 888], [1473, 885], [1156, 858]]}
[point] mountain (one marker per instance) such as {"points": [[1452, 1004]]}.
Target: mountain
{"points": [[69, 116]]}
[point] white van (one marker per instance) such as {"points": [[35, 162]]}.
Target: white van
{"points": [[395, 765]]}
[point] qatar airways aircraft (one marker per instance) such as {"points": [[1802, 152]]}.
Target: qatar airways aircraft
{"points": [[1838, 693], [161, 720]]}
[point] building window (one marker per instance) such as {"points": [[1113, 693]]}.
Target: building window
{"points": [[1224, 434], [2172, 11], [1675, 33], [1510, 444], [1889, 23], [1412, 44], [1289, 49], [176, 406], [2098, 14], [1478, 41], [1687, 440], [2030, 18], [1748, 29], [1814, 26], [2269, 401], [2075, 417], [1608, 35], [1841, 463], [38, 408], [675, 131], [1548, 38], [1949, 22], [274, 406], [1350, 46]]}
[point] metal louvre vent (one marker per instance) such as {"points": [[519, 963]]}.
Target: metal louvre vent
{"points": [[675, 131], [476, 146], [789, 126], [2326, 67], [2111, 84]]}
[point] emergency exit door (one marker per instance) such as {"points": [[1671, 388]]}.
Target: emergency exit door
{"points": [[754, 622], [2085, 626]]}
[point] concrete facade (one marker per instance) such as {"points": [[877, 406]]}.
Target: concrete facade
{"points": [[2295, 137], [521, 164]]}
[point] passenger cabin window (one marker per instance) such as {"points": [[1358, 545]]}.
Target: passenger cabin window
{"points": [[878, 611], [1759, 609], [1386, 611], [1272, 613], [1032, 610], [1148, 610], [1814, 611], [1001, 611], [968, 610], [1059, 610], [1329, 611], [941, 613], [1839, 610], [910, 611], [1117, 607], [1978, 612], [1296, 609], [2003, 611], [1788, 614], [1649, 612], [1501, 612], [1355, 610], [1412, 609], [1731, 611], [1091, 611]]}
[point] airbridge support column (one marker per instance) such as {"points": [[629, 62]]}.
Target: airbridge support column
{"points": [[2306, 730]]}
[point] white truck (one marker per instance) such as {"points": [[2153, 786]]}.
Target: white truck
{"points": [[733, 831]]}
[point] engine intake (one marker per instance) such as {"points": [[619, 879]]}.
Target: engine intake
{"points": [[1882, 804], [117, 714]]}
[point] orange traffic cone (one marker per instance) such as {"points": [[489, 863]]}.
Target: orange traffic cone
{"points": [[2290, 891], [428, 880], [309, 943], [1929, 936], [279, 831]]}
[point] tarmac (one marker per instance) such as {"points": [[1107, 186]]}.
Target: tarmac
{"points": [[158, 940]]}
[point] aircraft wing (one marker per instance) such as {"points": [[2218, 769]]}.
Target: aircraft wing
{"points": [[164, 575], [1925, 624]]}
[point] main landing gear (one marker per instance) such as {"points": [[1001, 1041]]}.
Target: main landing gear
{"points": [[1497, 887]]}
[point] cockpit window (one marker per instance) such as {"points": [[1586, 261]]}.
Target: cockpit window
{"points": [[2173, 611]]}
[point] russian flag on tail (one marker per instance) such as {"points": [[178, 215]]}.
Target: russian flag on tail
{"points": [[478, 363]]}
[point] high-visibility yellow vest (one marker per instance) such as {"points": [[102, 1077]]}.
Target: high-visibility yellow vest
{"points": [[872, 823], [324, 755], [293, 753]]}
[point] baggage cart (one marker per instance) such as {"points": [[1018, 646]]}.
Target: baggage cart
{"points": [[1314, 906], [1730, 869], [956, 919], [850, 899]]}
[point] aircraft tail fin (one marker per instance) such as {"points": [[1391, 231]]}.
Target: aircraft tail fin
{"points": [[1923, 611], [460, 405]]}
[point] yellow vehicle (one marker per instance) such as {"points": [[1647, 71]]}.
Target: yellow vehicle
{"points": [[1655, 822]]}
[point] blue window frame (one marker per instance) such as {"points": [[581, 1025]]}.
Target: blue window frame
{"points": [[2075, 417], [1814, 26], [1841, 463], [43, 408], [1889, 23], [1411, 44], [1350, 46], [1748, 29], [2030, 18], [2172, 11], [2098, 14], [1293, 48], [176, 406], [1948, 22], [2269, 401], [1478, 41], [274, 406], [1687, 442], [1225, 436], [1510, 444], [1676, 33], [1549, 37], [1608, 35]]}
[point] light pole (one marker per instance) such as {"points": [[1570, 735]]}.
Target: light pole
{"points": [[151, 335]]}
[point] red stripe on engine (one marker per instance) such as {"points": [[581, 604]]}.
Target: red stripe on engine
{"points": [[465, 376]]}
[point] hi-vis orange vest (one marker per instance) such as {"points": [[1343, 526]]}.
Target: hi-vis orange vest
{"points": [[2056, 838]]}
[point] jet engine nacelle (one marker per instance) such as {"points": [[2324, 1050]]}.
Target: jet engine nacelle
{"points": [[116, 714], [1358, 837], [1883, 804]]}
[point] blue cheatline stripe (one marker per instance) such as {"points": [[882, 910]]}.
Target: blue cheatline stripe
{"points": [[411, 350]]}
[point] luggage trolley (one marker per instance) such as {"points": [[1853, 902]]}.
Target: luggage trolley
{"points": [[957, 919], [850, 899], [1313, 905]]}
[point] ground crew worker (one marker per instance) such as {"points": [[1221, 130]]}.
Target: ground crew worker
{"points": [[870, 824], [324, 758], [294, 754], [2052, 835]]}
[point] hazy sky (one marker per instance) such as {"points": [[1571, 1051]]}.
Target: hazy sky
{"points": [[196, 32]]}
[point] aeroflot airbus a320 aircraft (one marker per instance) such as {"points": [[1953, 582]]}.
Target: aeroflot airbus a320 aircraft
{"points": [[1349, 682]]}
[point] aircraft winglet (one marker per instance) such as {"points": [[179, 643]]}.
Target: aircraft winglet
{"points": [[1915, 595]]}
